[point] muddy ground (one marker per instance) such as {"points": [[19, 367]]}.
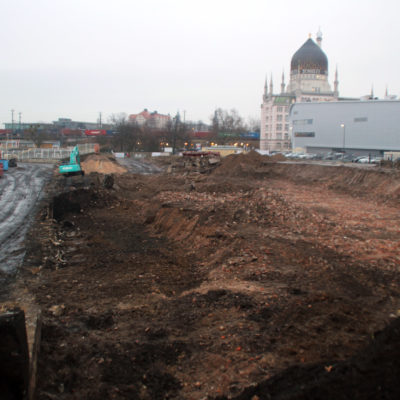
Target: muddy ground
{"points": [[247, 279]]}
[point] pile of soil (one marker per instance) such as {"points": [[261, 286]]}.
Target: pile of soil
{"points": [[263, 284], [380, 184], [241, 165], [370, 374], [102, 164]]}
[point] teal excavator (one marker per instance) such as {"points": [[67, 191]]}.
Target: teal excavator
{"points": [[74, 166]]}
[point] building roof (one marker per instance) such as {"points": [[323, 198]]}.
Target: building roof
{"points": [[147, 115], [309, 58]]}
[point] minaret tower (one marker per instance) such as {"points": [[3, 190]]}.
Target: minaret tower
{"points": [[266, 88], [319, 37], [283, 82], [271, 87], [336, 84]]}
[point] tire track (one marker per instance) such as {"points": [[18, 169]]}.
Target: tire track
{"points": [[20, 191]]}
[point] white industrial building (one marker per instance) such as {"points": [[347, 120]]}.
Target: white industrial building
{"points": [[355, 127]]}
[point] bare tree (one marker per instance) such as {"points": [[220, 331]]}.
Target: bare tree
{"points": [[227, 124], [253, 124], [37, 135], [127, 135]]}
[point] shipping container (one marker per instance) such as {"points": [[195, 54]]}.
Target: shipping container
{"points": [[71, 132], [95, 132], [250, 135], [228, 134], [201, 134]]}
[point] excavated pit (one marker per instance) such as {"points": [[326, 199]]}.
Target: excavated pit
{"points": [[252, 279]]}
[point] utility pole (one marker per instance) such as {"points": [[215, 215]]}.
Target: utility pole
{"points": [[100, 119], [175, 131], [12, 121], [12, 125], [19, 122]]}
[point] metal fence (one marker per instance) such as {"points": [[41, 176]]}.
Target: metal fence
{"points": [[46, 154]]}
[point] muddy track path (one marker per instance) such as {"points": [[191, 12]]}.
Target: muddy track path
{"points": [[20, 192]]}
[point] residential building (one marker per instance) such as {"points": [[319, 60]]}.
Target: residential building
{"points": [[153, 120]]}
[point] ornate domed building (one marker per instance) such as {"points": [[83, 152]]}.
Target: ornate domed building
{"points": [[308, 83]]}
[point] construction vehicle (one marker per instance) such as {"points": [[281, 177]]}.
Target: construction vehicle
{"points": [[5, 164], [74, 166]]}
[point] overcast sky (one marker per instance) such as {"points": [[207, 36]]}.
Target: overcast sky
{"points": [[75, 58]]}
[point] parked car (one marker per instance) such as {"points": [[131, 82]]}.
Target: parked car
{"points": [[363, 160], [357, 158], [376, 160]]}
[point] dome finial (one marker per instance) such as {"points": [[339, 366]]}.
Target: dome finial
{"points": [[319, 37], [309, 35]]}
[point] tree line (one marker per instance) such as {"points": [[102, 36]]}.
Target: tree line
{"points": [[177, 134], [225, 125]]}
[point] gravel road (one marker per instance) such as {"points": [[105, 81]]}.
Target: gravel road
{"points": [[20, 190], [138, 167]]}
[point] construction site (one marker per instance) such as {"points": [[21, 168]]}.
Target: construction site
{"points": [[246, 277]]}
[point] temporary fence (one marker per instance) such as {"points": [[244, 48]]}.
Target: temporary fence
{"points": [[47, 154]]}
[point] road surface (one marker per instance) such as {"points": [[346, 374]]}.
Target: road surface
{"points": [[138, 167], [20, 191]]}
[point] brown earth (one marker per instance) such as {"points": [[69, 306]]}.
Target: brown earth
{"points": [[254, 280], [101, 164]]}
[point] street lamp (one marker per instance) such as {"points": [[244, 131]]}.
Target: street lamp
{"points": [[343, 126]]}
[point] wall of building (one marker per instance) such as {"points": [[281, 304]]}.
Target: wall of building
{"points": [[275, 123], [352, 125]]}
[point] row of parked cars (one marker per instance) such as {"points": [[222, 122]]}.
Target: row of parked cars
{"points": [[346, 157]]}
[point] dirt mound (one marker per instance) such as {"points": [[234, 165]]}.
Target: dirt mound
{"points": [[102, 164], [241, 165], [372, 374], [377, 183]]}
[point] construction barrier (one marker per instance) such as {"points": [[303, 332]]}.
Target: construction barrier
{"points": [[48, 154]]}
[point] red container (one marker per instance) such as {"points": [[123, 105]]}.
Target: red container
{"points": [[71, 132], [95, 132], [1, 170]]}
